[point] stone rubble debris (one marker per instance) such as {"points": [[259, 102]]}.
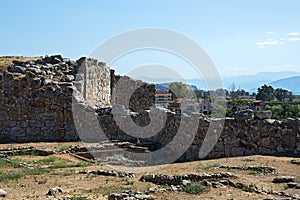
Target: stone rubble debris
{"points": [[54, 191], [179, 180], [110, 173], [130, 195], [283, 179]]}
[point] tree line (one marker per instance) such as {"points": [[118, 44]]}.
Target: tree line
{"points": [[265, 93]]}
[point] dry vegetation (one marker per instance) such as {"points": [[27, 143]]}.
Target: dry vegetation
{"points": [[21, 183], [6, 61]]}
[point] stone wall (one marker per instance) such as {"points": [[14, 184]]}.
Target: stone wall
{"points": [[238, 137], [93, 81], [36, 105], [36, 97]]}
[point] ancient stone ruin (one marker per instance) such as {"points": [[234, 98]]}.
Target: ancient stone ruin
{"points": [[36, 106]]}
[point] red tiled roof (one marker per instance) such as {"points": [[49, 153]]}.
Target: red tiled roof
{"points": [[161, 92]]}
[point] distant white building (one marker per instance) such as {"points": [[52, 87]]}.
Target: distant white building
{"points": [[205, 108], [184, 105], [162, 99]]}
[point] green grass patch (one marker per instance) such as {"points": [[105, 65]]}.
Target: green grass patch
{"points": [[56, 163], [64, 148], [3, 162], [10, 176], [61, 164], [47, 161], [129, 182], [24, 152], [43, 181], [165, 186], [16, 162], [249, 188], [68, 173], [36, 171], [209, 166], [253, 172], [195, 188]]}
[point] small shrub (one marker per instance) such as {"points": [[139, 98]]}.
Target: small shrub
{"points": [[195, 188]]}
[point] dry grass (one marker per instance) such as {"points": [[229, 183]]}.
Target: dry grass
{"points": [[23, 184], [6, 61]]}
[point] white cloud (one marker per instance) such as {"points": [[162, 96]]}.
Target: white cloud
{"points": [[293, 33], [275, 42], [270, 41], [294, 39]]}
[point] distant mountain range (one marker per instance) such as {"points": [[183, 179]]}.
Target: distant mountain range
{"points": [[286, 79], [292, 84]]}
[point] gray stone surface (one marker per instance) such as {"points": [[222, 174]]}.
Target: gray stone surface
{"points": [[3, 193], [283, 179]]}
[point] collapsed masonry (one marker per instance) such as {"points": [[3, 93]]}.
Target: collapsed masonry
{"points": [[36, 105], [36, 97]]}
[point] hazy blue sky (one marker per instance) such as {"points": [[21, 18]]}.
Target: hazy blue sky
{"points": [[241, 37]]}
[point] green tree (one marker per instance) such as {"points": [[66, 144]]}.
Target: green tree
{"points": [[283, 95], [265, 93], [179, 90]]}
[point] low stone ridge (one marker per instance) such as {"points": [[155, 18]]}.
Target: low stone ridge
{"points": [[244, 115], [110, 173], [25, 151], [179, 180], [278, 198], [130, 195], [261, 169], [296, 162], [283, 179], [223, 183], [54, 191], [294, 185]]}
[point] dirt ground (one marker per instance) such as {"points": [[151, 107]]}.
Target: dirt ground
{"points": [[21, 184]]}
